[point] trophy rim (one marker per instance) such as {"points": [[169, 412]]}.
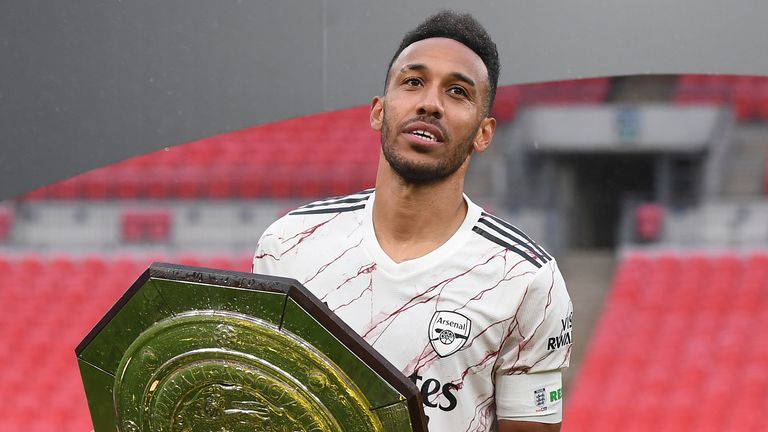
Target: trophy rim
{"points": [[293, 290]]}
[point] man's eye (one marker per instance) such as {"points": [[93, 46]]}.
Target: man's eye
{"points": [[414, 82], [458, 91]]}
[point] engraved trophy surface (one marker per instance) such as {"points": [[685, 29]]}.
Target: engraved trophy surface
{"points": [[190, 349]]}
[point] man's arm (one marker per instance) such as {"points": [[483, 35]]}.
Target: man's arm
{"points": [[523, 426], [533, 401]]}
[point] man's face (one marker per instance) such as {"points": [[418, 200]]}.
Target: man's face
{"points": [[431, 117]]}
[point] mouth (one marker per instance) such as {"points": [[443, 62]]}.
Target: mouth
{"points": [[424, 135], [424, 132]]}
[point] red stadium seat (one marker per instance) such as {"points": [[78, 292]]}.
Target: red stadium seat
{"points": [[37, 194], [187, 184], [506, 103], [220, 185], [746, 104], [281, 181], [156, 184], [6, 222], [746, 94], [65, 189], [252, 185], [584, 91], [95, 184], [145, 226], [126, 183], [762, 107], [265, 161], [189, 260], [244, 264], [48, 310], [649, 218], [670, 364]]}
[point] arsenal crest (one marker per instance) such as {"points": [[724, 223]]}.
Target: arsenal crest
{"points": [[448, 332]]}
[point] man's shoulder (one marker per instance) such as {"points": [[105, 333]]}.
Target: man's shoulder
{"points": [[338, 204], [308, 215], [502, 233]]}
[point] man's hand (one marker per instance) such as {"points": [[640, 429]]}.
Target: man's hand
{"points": [[522, 426]]}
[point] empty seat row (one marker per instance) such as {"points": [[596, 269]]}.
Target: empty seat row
{"points": [[6, 221], [721, 82], [153, 226], [49, 304], [747, 95], [679, 335], [200, 183], [509, 99], [324, 154]]}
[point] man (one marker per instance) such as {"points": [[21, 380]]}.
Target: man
{"points": [[466, 305]]}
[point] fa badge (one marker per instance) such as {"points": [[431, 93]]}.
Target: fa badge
{"points": [[448, 332]]}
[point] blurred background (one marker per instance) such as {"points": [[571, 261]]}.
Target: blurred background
{"points": [[649, 190], [647, 182]]}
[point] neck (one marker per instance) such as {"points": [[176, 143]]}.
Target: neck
{"points": [[413, 220]]}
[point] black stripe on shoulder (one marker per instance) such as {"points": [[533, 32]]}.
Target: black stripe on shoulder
{"points": [[514, 229], [512, 239], [326, 210], [344, 199], [506, 245]]}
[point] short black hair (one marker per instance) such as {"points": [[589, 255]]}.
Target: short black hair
{"points": [[463, 28]]}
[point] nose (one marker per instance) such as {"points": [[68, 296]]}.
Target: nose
{"points": [[431, 103]]}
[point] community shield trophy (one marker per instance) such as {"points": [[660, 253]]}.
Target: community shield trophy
{"points": [[189, 349]]}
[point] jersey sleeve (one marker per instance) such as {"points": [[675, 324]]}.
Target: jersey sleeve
{"points": [[537, 347], [266, 259]]}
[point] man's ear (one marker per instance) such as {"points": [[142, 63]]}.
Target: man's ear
{"points": [[377, 113], [484, 134]]}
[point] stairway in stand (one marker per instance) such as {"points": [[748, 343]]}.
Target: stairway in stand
{"points": [[588, 274]]}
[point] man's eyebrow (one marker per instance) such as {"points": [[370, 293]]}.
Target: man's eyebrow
{"points": [[414, 67], [461, 77], [455, 75]]}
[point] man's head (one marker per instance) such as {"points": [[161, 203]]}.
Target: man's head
{"points": [[434, 111], [463, 28]]}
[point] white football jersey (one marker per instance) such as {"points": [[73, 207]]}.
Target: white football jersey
{"points": [[482, 324]]}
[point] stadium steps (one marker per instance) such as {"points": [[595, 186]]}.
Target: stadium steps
{"points": [[678, 347], [486, 179], [745, 169], [588, 275]]}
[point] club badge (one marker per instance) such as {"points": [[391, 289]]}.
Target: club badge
{"points": [[448, 332]]}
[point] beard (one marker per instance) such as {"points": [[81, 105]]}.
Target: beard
{"points": [[424, 173]]}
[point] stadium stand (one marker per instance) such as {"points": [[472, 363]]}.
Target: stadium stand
{"points": [[717, 224], [571, 92], [55, 302], [748, 95], [6, 220], [510, 99], [319, 155], [765, 176], [507, 102], [649, 219], [672, 344], [87, 226], [677, 347], [151, 226], [313, 156]]}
